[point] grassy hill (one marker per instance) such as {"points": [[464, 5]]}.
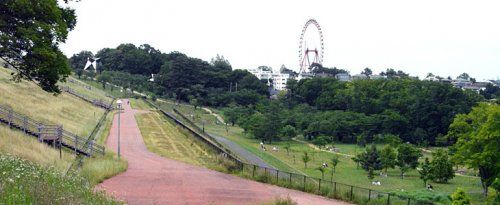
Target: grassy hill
{"points": [[76, 115]]}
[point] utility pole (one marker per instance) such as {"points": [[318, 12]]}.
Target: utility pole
{"points": [[119, 111]]}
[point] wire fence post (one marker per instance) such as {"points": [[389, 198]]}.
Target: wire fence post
{"points": [[369, 194], [350, 197], [253, 171], [304, 183], [319, 186], [277, 173], [334, 188], [388, 199], [290, 179]]}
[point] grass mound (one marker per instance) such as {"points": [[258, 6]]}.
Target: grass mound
{"points": [[76, 115], [24, 182]]}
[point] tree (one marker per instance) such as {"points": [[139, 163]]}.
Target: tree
{"points": [[478, 134], [288, 132], [370, 160], [388, 157], [367, 72], [441, 167], [306, 159], [464, 76], [335, 161], [287, 148], [30, 34], [357, 159], [322, 170], [407, 158], [459, 197], [104, 78], [425, 171]]}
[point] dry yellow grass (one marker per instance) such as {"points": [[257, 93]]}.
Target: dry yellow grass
{"points": [[75, 115], [17, 143], [165, 139]]}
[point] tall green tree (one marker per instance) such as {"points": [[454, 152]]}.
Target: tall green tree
{"points": [[407, 158], [478, 137], [335, 161], [388, 157], [425, 171], [306, 158], [30, 35], [441, 167], [370, 160]]}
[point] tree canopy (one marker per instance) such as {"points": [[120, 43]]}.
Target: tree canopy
{"points": [[477, 136], [30, 34]]}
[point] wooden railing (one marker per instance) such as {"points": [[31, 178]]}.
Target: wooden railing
{"points": [[52, 134], [95, 102]]}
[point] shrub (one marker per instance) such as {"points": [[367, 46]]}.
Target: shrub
{"points": [[23, 182]]}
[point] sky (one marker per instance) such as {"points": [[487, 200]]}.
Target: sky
{"points": [[443, 37]]}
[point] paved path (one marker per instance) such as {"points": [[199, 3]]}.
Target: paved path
{"points": [[240, 151], [151, 179]]}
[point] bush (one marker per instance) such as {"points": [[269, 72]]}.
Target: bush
{"points": [[321, 140], [459, 197], [23, 182]]}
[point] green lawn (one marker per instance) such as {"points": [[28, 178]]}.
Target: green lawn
{"points": [[346, 171]]}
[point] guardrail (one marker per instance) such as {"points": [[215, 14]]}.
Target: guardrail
{"points": [[52, 134], [328, 188]]}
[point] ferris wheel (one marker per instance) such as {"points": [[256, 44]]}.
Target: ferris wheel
{"points": [[310, 53]]}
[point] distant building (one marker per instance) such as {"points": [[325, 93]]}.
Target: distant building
{"points": [[359, 77], [262, 72], [280, 80], [461, 83], [375, 77], [343, 77]]}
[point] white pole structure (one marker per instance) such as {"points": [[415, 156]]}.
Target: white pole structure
{"points": [[119, 111]]}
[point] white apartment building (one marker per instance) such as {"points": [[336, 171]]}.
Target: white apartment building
{"points": [[279, 80]]}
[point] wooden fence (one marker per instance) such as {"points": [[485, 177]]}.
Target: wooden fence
{"points": [[54, 135], [95, 102]]}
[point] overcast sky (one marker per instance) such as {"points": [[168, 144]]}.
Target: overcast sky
{"points": [[443, 37]]}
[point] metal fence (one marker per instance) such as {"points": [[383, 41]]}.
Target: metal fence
{"points": [[324, 187]]}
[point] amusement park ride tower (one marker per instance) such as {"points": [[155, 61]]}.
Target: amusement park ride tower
{"points": [[310, 54]]}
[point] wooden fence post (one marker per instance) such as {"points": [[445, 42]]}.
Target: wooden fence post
{"points": [[9, 117], [76, 144], [40, 129], [25, 124], [290, 180], [91, 146], [388, 199], [369, 194]]}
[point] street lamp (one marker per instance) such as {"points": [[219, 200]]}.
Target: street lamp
{"points": [[119, 111]]}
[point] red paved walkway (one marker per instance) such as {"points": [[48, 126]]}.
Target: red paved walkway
{"points": [[151, 179]]}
